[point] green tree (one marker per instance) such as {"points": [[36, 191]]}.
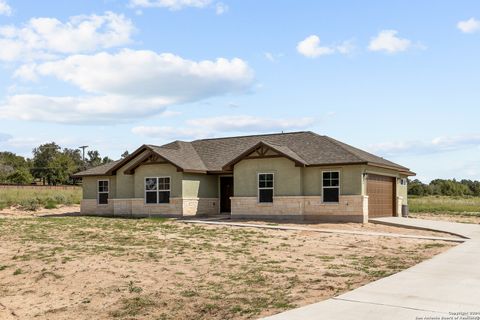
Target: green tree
{"points": [[125, 154], [42, 158], [94, 158], [20, 176], [61, 168]]}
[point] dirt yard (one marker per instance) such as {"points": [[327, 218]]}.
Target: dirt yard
{"points": [[100, 268], [453, 217], [17, 212]]}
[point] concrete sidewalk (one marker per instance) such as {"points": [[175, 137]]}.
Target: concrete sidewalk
{"points": [[449, 282]]}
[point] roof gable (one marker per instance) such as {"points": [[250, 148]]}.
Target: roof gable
{"points": [[218, 155]]}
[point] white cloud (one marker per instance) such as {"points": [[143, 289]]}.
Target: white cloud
{"points": [[272, 57], [246, 123], [221, 8], [214, 126], [44, 38], [169, 4], [388, 41], [469, 26], [124, 86], [310, 47], [5, 9], [83, 109], [146, 73], [436, 145]]}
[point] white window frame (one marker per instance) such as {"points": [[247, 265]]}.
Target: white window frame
{"points": [[330, 187], [157, 191], [99, 192], [403, 181], [265, 188]]}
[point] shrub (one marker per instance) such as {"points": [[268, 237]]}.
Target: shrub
{"points": [[30, 204]]}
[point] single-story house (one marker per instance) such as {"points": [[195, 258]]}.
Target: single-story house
{"points": [[297, 175]]}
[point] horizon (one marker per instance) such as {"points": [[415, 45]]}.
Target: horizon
{"points": [[394, 79]]}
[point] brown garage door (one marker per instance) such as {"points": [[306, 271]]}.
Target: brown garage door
{"points": [[380, 191]]}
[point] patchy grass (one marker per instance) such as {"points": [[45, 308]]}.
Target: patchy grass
{"points": [[162, 269], [32, 199], [456, 209], [443, 204]]}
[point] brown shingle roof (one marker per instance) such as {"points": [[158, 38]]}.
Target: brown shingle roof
{"points": [[305, 147], [98, 170]]}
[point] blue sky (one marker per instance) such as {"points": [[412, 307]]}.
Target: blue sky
{"points": [[397, 78]]}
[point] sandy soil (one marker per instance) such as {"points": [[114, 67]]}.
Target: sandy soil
{"points": [[447, 217], [60, 210], [100, 268], [366, 227]]}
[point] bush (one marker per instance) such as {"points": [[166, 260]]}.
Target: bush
{"points": [[30, 204]]}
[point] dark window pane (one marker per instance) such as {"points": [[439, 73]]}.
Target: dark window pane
{"points": [[151, 197], [330, 194], [326, 175], [103, 198], [163, 183], [327, 183], [102, 186], [334, 183], [164, 197], [151, 184], [265, 195], [334, 175]]}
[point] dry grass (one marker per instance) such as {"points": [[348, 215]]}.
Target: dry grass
{"points": [[36, 198], [443, 204], [91, 268]]}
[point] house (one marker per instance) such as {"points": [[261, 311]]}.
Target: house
{"points": [[297, 175]]}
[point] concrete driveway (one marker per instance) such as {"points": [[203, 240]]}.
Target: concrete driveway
{"points": [[445, 285]]}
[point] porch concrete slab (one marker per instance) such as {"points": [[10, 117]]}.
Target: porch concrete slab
{"points": [[449, 282]]}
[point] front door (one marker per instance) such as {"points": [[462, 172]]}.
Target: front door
{"points": [[226, 191]]}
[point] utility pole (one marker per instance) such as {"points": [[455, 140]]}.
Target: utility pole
{"points": [[83, 152]]}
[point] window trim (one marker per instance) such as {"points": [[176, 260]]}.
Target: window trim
{"points": [[265, 188], [157, 191], [98, 191], [330, 187]]}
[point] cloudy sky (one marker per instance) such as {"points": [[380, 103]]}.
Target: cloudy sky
{"points": [[398, 78]]}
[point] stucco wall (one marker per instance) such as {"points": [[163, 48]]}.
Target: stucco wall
{"points": [[89, 185], [287, 177], [350, 180], [200, 185], [125, 182], [157, 170]]}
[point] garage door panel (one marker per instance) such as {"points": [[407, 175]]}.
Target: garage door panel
{"points": [[380, 191]]}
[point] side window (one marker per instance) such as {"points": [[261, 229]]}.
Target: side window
{"points": [[265, 187], [157, 190], [103, 191], [331, 186]]}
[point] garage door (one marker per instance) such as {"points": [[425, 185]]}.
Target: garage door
{"points": [[380, 191]]}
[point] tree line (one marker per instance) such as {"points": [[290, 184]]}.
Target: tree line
{"points": [[50, 164], [444, 187]]}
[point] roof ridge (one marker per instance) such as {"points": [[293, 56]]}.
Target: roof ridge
{"points": [[252, 135]]}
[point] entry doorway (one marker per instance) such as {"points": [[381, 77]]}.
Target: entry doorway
{"points": [[226, 191]]}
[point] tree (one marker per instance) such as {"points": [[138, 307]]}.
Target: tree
{"points": [[125, 154], [21, 176], [106, 160], [60, 168], [42, 157], [94, 158]]}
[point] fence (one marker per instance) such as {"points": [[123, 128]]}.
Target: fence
{"points": [[39, 187]]}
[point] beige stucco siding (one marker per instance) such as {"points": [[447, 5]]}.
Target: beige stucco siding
{"points": [[350, 180], [125, 182], [287, 177], [200, 186], [157, 170], [90, 186]]}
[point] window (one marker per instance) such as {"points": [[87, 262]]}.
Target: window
{"points": [[403, 182], [265, 187], [157, 190], [331, 186], [102, 191]]}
